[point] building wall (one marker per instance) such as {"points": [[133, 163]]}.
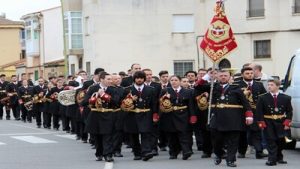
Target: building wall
{"points": [[52, 35], [131, 31], [10, 47]]}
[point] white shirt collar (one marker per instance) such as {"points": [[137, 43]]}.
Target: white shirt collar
{"points": [[224, 85], [148, 84], [251, 82], [275, 94], [102, 86], [178, 89], [137, 87]]}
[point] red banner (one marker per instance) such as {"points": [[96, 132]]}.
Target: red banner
{"points": [[218, 40]]}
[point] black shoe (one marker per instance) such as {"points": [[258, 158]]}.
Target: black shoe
{"points": [[271, 163], [155, 153], [241, 155], [39, 126], [186, 155], [281, 162], [118, 154], [67, 131], [163, 149], [206, 155], [18, 119], [173, 157], [108, 159], [137, 158], [231, 164], [7, 118], [49, 127], [1, 118], [218, 161], [147, 157], [99, 158], [200, 148], [128, 146], [261, 155]]}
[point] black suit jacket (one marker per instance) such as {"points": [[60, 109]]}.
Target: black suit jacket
{"points": [[127, 81]]}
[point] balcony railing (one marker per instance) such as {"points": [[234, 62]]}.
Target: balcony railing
{"points": [[255, 13], [296, 9]]}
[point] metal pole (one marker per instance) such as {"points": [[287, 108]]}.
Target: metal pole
{"points": [[211, 94], [64, 38]]}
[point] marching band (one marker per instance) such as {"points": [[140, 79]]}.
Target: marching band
{"points": [[109, 110]]}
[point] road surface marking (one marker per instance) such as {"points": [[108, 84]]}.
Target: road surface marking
{"points": [[108, 165], [73, 137], [33, 128], [21, 134], [2, 143], [33, 139]]}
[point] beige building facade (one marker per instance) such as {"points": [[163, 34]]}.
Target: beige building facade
{"points": [[10, 45], [165, 34]]}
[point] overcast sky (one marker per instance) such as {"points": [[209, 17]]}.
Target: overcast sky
{"points": [[14, 9]]}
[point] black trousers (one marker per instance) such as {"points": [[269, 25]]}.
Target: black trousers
{"points": [[179, 141], [47, 119], [117, 141], [65, 122], [207, 142], [229, 138], [275, 148], [56, 118], [144, 147], [16, 111], [38, 118], [196, 129], [6, 109], [26, 115], [250, 137], [80, 125], [98, 144]]}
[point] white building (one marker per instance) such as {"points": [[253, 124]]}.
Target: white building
{"points": [[44, 43], [163, 34]]}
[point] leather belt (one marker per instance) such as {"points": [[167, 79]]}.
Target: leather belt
{"points": [[274, 117], [137, 110], [103, 110], [224, 106]]}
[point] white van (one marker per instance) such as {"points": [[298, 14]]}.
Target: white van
{"points": [[291, 87]]}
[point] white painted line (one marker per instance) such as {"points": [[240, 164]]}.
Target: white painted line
{"points": [[2, 143], [33, 139], [21, 134], [108, 165], [33, 128], [73, 137]]}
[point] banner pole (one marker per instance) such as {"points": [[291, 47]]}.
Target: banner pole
{"points": [[211, 94]]}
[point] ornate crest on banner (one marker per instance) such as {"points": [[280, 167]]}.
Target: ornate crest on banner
{"points": [[218, 40], [202, 102]]}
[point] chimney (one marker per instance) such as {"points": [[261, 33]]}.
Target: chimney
{"points": [[2, 15]]}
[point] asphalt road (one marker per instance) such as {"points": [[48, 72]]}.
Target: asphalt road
{"points": [[23, 146]]}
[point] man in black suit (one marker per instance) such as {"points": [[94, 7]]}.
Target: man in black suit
{"points": [[230, 114], [25, 93], [140, 116], [252, 136], [127, 81], [12, 89], [157, 88], [3, 94], [39, 92], [275, 114]]}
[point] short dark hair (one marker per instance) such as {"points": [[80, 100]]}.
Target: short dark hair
{"points": [[190, 71], [139, 74], [277, 82], [163, 72], [52, 77], [223, 71], [246, 69], [2, 75], [202, 69], [122, 73], [98, 71], [22, 74], [178, 77], [210, 69], [133, 65], [246, 65], [258, 66], [102, 75], [81, 71], [147, 69], [13, 76]]}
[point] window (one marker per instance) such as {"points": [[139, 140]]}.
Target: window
{"points": [[256, 8], [80, 63], [72, 69], [87, 26], [23, 54], [183, 23], [296, 7], [88, 68], [262, 49], [180, 67], [28, 34], [36, 34], [73, 29]]}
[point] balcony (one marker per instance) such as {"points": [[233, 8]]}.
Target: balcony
{"points": [[254, 13], [296, 10]]}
